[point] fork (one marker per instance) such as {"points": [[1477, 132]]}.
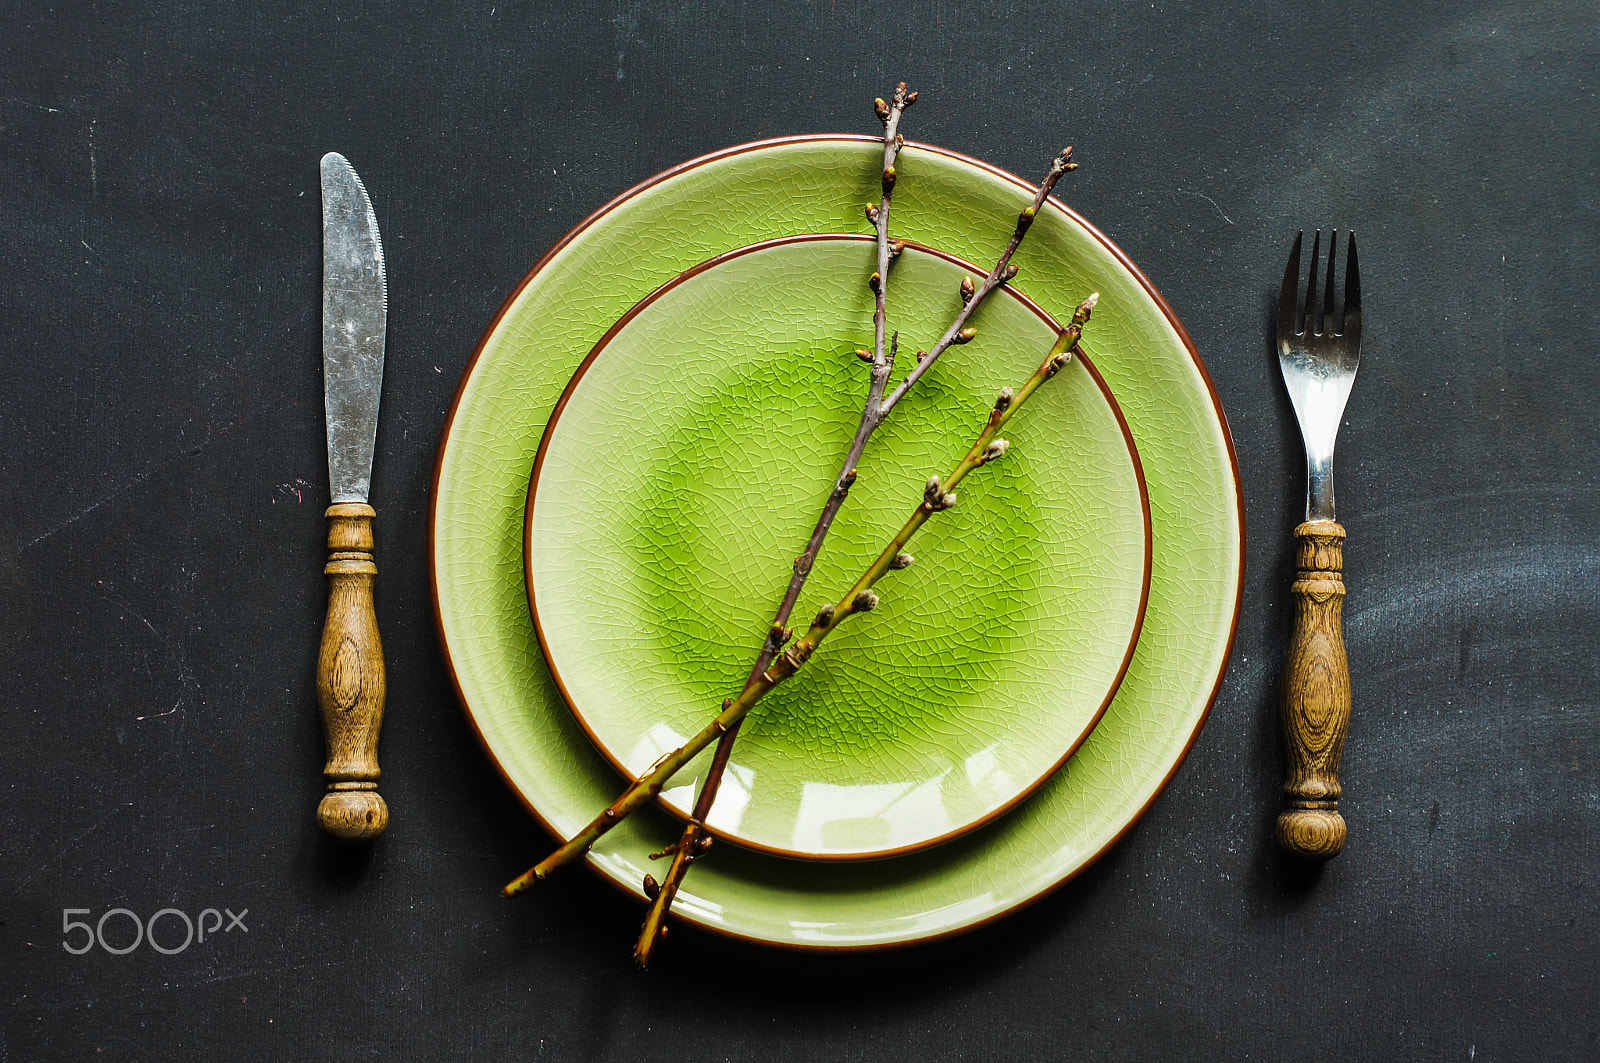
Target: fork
{"points": [[1318, 358]]}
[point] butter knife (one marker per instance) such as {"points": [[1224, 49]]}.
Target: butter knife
{"points": [[350, 672]]}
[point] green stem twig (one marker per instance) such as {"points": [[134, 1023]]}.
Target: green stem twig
{"points": [[973, 296], [938, 495]]}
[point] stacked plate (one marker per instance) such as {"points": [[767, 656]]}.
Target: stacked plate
{"points": [[1026, 688]]}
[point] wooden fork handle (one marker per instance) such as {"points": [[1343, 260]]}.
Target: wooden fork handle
{"points": [[351, 684], [1315, 703]]}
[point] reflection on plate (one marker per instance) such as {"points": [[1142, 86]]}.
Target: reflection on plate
{"points": [[764, 191], [682, 472]]}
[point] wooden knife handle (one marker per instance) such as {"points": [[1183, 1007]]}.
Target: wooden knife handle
{"points": [[350, 680], [1315, 704]]}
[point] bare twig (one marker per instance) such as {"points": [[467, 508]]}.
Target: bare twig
{"points": [[879, 216], [695, 839], [938, 495], [959, 332], [769, 667]]}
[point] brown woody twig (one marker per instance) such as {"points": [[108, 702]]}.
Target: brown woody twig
{"points": [[695, 839]]}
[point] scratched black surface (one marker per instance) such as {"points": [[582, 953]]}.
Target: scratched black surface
{"points": [[163, 483]]}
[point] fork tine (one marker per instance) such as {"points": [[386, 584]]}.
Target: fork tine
{"points": [[1313, 315], [1352, 293], [1327, 323], [1291, 288]]}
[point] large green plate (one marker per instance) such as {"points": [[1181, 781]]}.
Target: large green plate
{"points": [[763, 191], [682, 472]]}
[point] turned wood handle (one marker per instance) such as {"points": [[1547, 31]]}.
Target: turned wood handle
{"points": [[350, 680], [1315, 705]]}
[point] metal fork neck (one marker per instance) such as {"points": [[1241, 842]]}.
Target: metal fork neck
{"points": [[1319, 489]]}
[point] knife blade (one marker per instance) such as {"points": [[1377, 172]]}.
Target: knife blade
{"points": [[351, 681]]}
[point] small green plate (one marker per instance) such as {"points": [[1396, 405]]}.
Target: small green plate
{"points": [[764, 191], [682, 472]]}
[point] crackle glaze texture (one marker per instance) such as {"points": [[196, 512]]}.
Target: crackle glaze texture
{"points": [[683, 472], [741, 197]]}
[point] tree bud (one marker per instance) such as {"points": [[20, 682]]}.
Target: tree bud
{"points": [[901, 561], [824, 616], [968, 290], [1003, 402], [966, 335], [995, 450], [865, 602]]}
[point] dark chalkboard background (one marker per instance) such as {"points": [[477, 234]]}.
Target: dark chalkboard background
{"points": [[162, 480]]}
